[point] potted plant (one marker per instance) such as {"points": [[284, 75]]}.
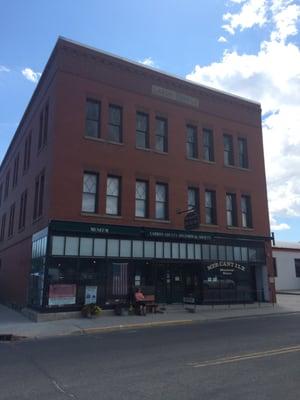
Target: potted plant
{"points": [[91, 310]]}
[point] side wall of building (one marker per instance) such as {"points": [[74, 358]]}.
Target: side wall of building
{"points": [[286, 274]]}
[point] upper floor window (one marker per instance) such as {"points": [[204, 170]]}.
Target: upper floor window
{"points": [[210, 207], [191, 141], [11, 220], [7, 179], [193, 199], [22, 212], [297, 267], [43, 127], [228, 150], [243, 153], [16, 170], [231, 214], [141, 199], [1, 193], [27, 151], [39, 196], [208, 145], [113, 202], [115, 123], [246, 211], [92, 118], [142, 130], [161, 201], [90, 192], [161, 134], [2, 231]]}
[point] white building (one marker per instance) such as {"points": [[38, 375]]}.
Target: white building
{"points": [[286, 261]]}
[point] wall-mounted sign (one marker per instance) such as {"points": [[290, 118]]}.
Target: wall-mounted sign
{"points": [[60, 295], [90, 295], [175, 96], [226, 264], [191, 220]]}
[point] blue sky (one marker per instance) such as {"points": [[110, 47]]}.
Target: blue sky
{"points": [[247, 47]]}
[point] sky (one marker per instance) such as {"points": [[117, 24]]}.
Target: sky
{"points": [[246, 47]]}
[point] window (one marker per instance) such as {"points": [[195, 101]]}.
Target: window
{"points": [[16, 170], [2, 231], [43, 127], [115, 123], [231, 214], [243, 153], [274, 267], [39, 196], [193, 199], [161, 201], [1, 193], [210, 207], [208, 145], [27, 151], [228, 150], [23, 206], [161, 134], [92, 118], [113, 195], [6, 185], [141, 199], [246, 212], [11, 220], [191, 141], [90, 192], [142, 130], [297, 267]]}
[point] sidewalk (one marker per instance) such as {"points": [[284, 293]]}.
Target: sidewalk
{"points": [[11, 322]]}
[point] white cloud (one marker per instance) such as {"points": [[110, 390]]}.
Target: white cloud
{"points": [[222, 39], [31, 75], [272, 77], [148, 61], [4, 69], [285, 20], [253, 12], [276, 226]]}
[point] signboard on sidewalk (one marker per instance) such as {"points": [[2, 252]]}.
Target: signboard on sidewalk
{"points": [[60, 295], [90, 295]]}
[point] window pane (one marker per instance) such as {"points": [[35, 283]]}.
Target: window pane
{"points": [[100, 247], [88, 202], [149, 249], [72, 245], [160, 210], [112, 186], [222, 253], [92, 128], [141, 140], [137, 248], [244, 253], [159, 249], [229, 253], [86, 247], [213, 252], [58, 244], [114, 133], [112, 205], [205, 252], [198, 251], [125, 248], [175, 250], [112, 248], [167, 250], [92, 110], [190, 251], [237, 253], [182, 250]]}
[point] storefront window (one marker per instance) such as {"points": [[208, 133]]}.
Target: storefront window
{"points": [[86, 247], [237, 253], [190, 251], [137, 248], [159, 250], [175, 250], [222, 253], [229, 253], [244, 253], [58, 244], [72, 245], [213, 252], [198, 251], [167, 250], [100, 247], [63, 270], [125, 248], [205, 251], [182, 249], [112, 248], [88, 269], [149, 249]]}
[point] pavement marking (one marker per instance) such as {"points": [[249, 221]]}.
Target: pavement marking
{"points": [[250, 356], [60, 389]]}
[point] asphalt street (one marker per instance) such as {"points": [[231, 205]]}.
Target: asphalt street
{"points": [[250, 358]]}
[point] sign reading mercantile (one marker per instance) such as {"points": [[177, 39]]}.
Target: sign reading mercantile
{"points": [[226, 264]]}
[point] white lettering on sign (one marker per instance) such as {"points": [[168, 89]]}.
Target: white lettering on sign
{"points": [[227, 265], [99, 230], [175, 96]]}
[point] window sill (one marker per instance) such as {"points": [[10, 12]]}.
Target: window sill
{"points": [[102, 140], [246, 228], [237, 168], [208, 161], [37, 220], [143, 148], [163, 221], [87, 214], [192, 158], [163, 153], [209, 225], [231, 227]]}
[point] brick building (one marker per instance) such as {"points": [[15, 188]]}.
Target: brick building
{"points": [[97, 181]]}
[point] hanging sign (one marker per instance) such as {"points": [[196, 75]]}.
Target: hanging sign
{"points": [[191, 220]]}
